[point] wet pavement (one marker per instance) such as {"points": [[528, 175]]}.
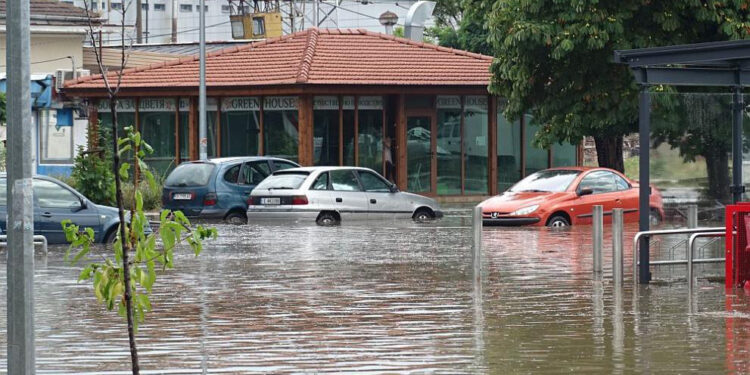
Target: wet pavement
{"points": [[394, 297]]}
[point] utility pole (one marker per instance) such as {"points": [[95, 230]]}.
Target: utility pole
{"points": [[20, 225], [138, 21], [203, 147], [174, 21]]}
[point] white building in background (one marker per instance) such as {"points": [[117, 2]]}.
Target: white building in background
{"points": [[157, 16]]}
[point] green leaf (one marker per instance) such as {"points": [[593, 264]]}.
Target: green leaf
{"points": [[124, 170]]}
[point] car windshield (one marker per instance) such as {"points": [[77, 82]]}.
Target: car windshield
{"points": [[283, 181], [190, 174], [552, 181]]}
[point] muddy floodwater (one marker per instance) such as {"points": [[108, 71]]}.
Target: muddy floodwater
{"points": [[396, 297]]}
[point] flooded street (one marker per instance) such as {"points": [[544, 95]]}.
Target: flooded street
{"points": [[388, 297]]}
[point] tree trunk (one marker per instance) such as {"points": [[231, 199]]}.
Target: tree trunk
{"points": [[123, 240], [609, 152], [717, 168]]}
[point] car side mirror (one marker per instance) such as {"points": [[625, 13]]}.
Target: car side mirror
{"points": [[394, 188], [84, 205], [586, 191]]}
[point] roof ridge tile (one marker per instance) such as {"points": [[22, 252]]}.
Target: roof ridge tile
{"points": [[307, 57]]}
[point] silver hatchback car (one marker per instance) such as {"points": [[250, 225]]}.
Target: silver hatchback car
{"points": [[330, 195]]}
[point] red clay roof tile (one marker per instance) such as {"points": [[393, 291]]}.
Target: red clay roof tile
{"points": [[318, 57]]}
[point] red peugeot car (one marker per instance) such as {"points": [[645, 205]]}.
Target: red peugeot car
{"points": [[560, 197]]}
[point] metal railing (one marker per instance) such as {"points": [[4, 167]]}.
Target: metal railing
{"points": [[690, 261], [650, 233], [38, 240]]}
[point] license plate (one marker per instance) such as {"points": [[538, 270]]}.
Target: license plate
{"points": [[182, 196], [270, 200]]}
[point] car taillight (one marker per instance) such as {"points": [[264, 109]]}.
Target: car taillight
{"points": [[299, 200], [253, 201], [210, 199]]}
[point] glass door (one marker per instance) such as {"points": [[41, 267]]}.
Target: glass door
{"points": [[420, 154]]}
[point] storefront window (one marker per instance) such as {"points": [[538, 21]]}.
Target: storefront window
{"points": [[371, 132], [476, 162], [419, 161], [564, 155], [240, 126], [448, 145], [348, 127], [536, 158], [157, 127], [56, 140], [281, 126], [125, 118], [184, 124], [326, 130], [508, 151]]}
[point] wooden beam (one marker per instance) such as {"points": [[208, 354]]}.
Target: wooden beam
{"points": [[93, 133], [522, 123], [356, 130], [305, 131], [177, 132], [492, 145], [341, 130], [217, 126], [400, 143], [193, 130]]}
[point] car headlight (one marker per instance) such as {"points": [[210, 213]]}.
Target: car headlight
{"points": [[524, 210]]}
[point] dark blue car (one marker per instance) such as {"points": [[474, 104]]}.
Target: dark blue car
{"points": [[54, 201], [218, 188]]}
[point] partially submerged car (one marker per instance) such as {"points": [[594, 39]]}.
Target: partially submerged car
{"points": [[330, 195], [560, 197], [218, 188]]}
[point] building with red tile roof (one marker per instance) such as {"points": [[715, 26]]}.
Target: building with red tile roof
{"points": [[331, 97]]}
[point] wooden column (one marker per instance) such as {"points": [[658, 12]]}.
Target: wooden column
{"points": [[492, 145], [137, 125], [341, 130], [177, 132], [193, 130], [305, 149], [522, 123], [93, 133], [400, 143]]}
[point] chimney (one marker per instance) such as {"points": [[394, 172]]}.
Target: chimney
{"points": [[388, 19], [420, 12]]}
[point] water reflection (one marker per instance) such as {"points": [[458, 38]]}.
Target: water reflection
{"points": [[391, 297]]}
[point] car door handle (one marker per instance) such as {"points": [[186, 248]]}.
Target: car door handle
{"points": [[339, 200], [373, 201], [47, 215]]}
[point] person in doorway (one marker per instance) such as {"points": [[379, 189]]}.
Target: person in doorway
{"points": [[388, 157]]}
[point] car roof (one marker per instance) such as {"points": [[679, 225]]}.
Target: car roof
{"points": [[579, 168], [230, 159], [329, 168]]}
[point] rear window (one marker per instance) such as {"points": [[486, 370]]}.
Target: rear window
{"points": [[191, 174], [283, 181]]}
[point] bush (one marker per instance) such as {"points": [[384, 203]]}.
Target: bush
{"points": [[151, 195], [92, 176]]}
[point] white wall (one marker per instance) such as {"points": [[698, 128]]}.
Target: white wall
{"points": [[46, 47], [351, 14]]}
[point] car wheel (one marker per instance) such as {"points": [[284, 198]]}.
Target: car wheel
{"points": [[558, 221], [327, 219], [111, 236], [236, 218], [654, 217], [423, 215]]}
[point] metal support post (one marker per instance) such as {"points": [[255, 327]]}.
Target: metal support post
{"points": [[598, 227], [617, 245], [739, 105], [203, 143], [476, 225], [20, 228], [692, 216], [644, 125]]}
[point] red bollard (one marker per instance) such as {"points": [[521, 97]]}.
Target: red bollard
{"points": [[737, 251]]}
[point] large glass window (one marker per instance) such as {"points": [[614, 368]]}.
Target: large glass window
{"points": [[125, 115], [371, 132], [508, 150], [476, 163], [326, 130], [240, 126], [56, 140], [419, 161], [536, 158], [281, 126], [348, 126], [564, 155], [157, 123], [448, 145]]}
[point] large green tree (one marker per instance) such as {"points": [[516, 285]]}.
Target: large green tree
{"points": [[554, 59]]}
